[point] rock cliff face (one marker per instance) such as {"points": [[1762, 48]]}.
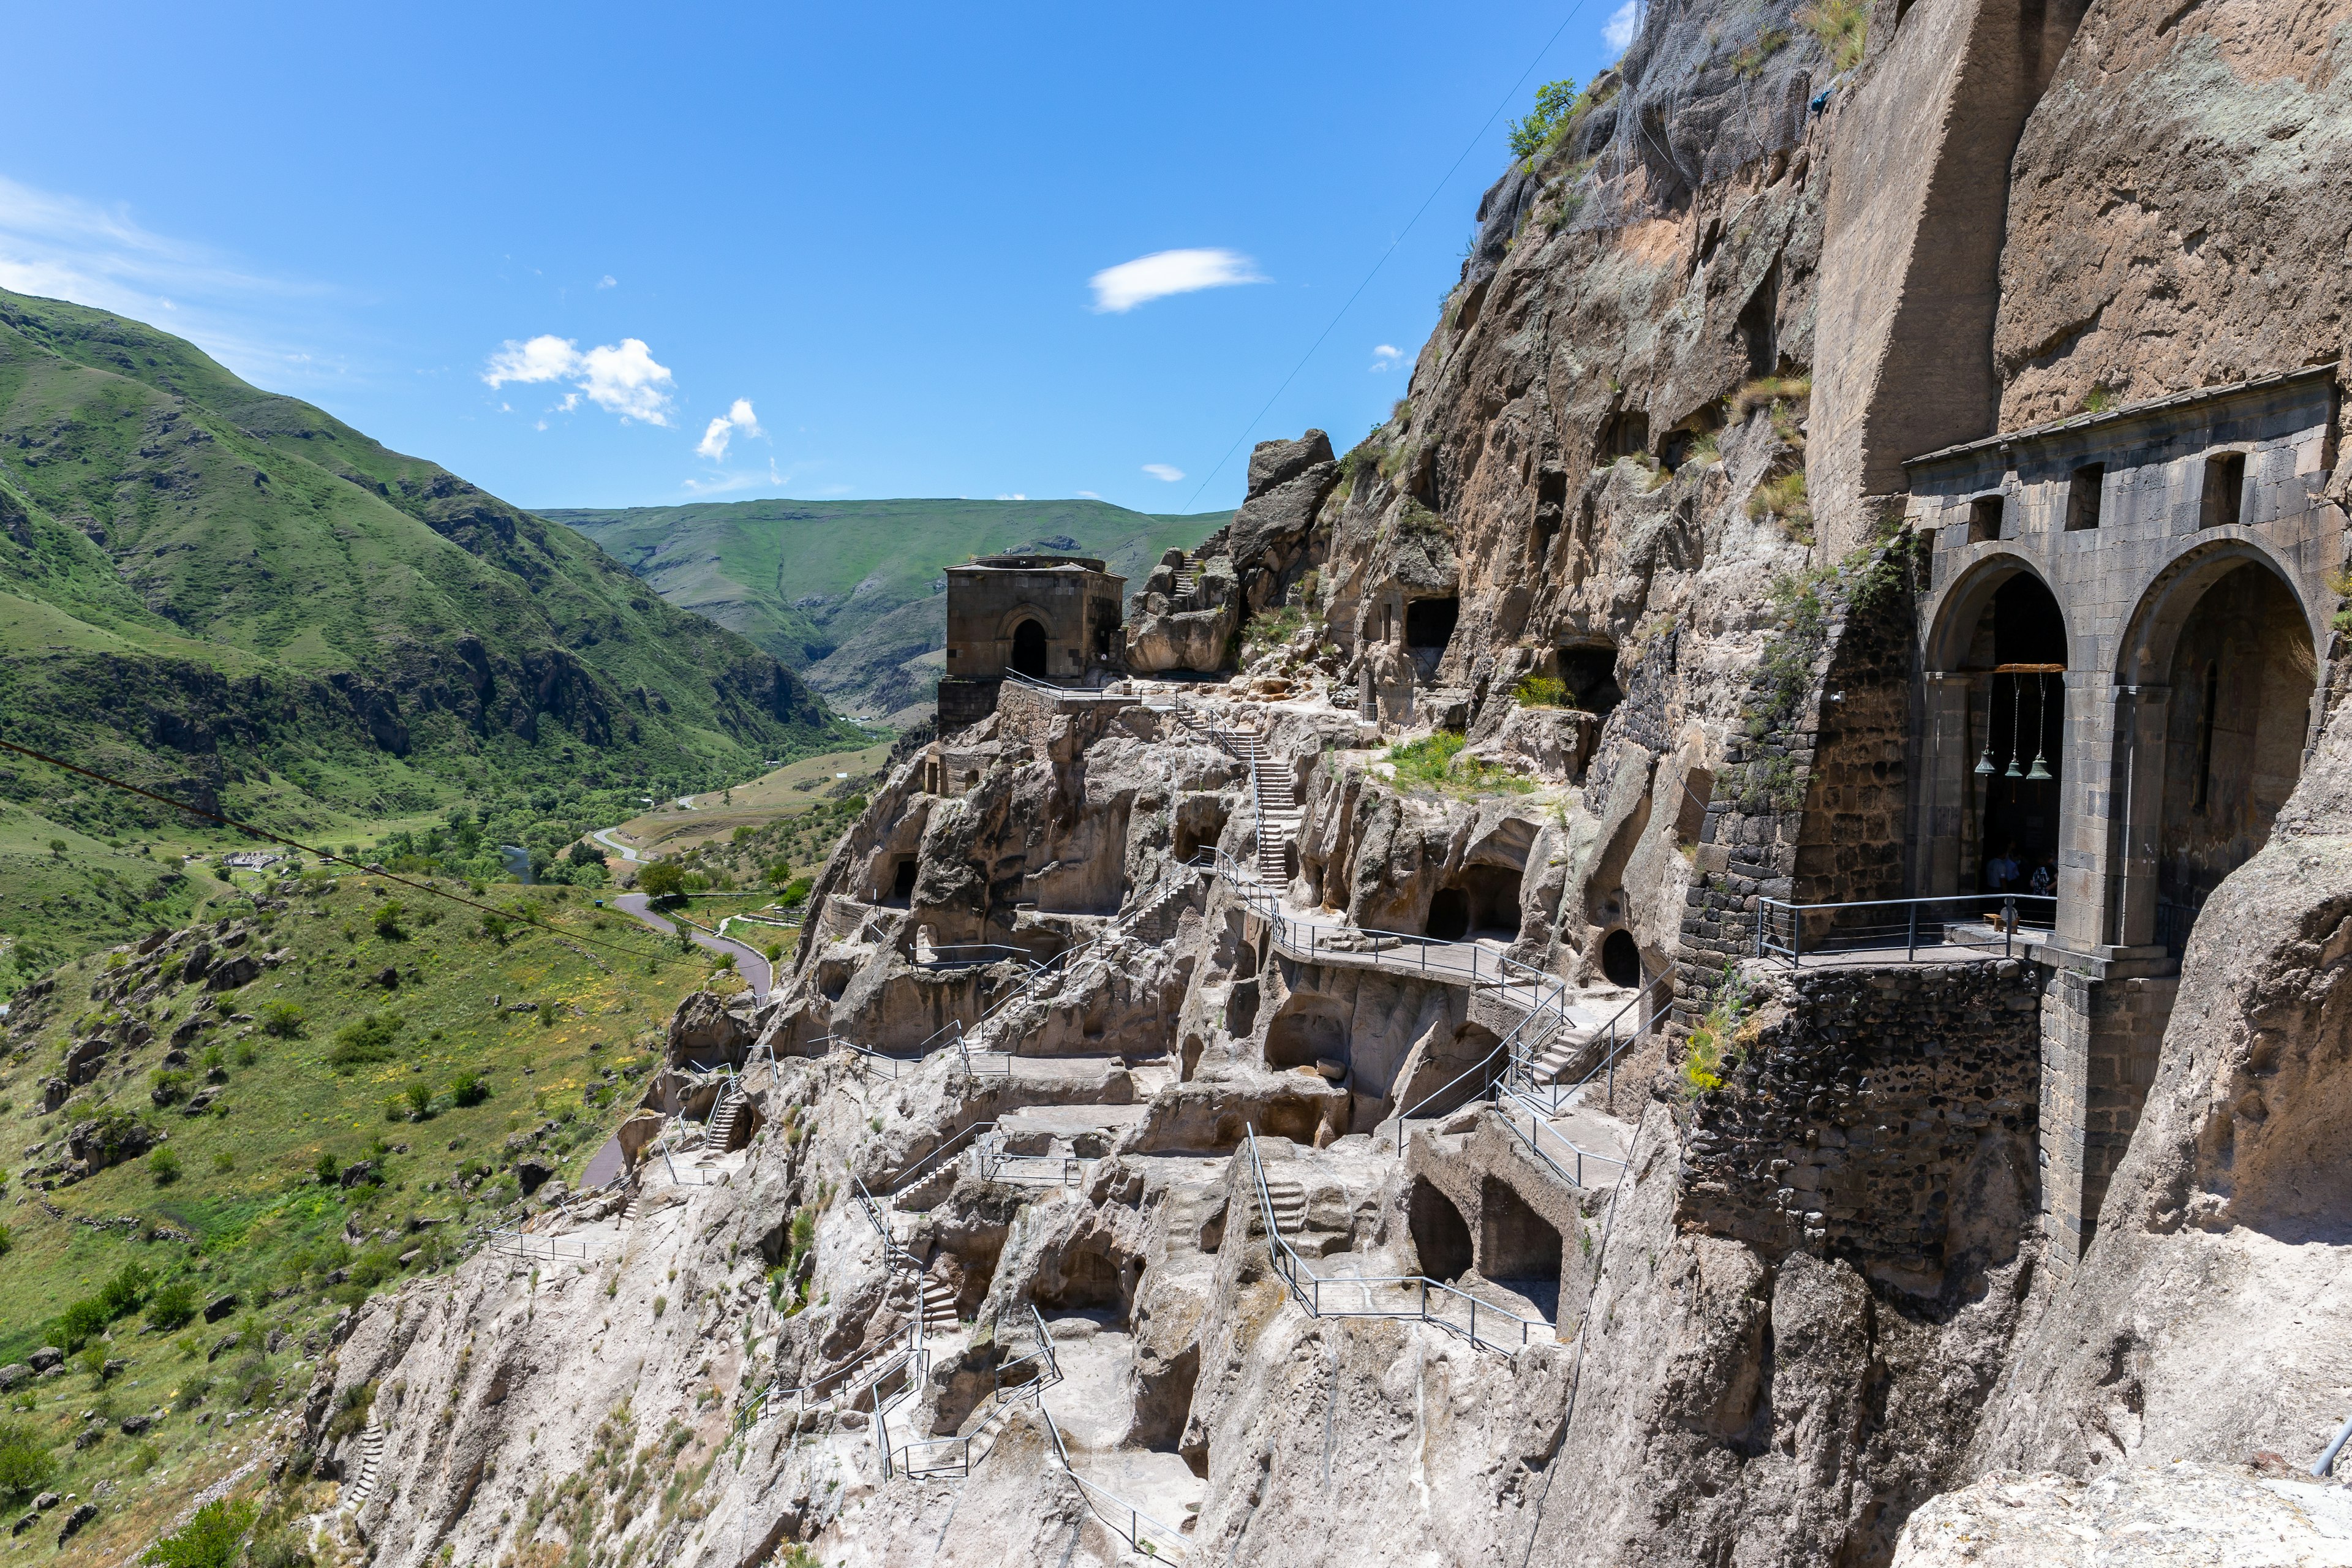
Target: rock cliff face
{"points": [[1113, 1173]]}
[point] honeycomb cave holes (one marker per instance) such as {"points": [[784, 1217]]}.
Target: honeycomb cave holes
{"points": [[1621, 958], [1441, 1236], [1589, 673], [1626, 434]]}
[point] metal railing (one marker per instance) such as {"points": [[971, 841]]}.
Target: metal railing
{"points": [[904, 1345], [1616, 1036], [1413, 1296], [1569, 1158], [1138, 1529], [1341, 943], [995, 1162], [955, 1457], [1981, 922], [519, 1243]]}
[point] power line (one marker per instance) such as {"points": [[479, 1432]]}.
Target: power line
{"points": [[1508, 97], [426, 888]]}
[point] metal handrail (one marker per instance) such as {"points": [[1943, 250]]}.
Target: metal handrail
{"points": [[1521, 1075], [1537, 1127], [755, 1405], [1169, 1537], [923, 1166], [1264, 903], [1307, 1286], [1001, 1398], [526, 1244], [1884, 937]]}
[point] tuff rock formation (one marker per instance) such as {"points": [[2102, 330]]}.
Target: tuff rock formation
{"points": [[1114, 1168]]}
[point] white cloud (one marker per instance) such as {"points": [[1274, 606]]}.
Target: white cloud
{"points": [[1386, 355], [1088, 495], [1167, 474], [722, 429], [1016, 495], [608, 282], [1166, 272], [620, 378], [1623, 23], [64, 248]]}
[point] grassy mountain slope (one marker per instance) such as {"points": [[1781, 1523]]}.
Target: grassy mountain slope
{"points": [[563, 1041], [231, 594], [849, 592]]}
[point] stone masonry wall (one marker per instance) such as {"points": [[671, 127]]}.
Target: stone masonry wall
{"points": [[1883, 1115], [1839, 751]]}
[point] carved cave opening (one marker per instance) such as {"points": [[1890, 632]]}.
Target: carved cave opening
{"points": [[1307, 1031], [1589, 673], [1621, 958], [1441, 1236], [1516, 1243], [1428, 623]]}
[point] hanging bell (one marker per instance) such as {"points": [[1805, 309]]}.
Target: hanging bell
{"points": [[2014, 771], [1984, 768], [2039, 770]]}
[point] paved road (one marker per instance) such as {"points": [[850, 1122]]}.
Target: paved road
{"points": [[750, 963], [604, 835]]}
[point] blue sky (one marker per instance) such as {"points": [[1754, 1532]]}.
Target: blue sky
{"points": [[596, 255]]}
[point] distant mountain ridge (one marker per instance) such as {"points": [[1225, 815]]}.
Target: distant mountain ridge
{"points": [[850, 592], [211, 587]]}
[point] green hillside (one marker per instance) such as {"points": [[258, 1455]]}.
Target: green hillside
{"points": [[344, 1120], [232, 597], [849, 592]]}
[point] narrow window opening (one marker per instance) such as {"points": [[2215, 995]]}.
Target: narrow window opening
{"points": [[2205, 737], [2083, 496], [2225, 490], [1551, 507], [1428, 623], [1984, 519]]}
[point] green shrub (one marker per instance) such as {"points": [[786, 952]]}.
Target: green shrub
{"points": [[797, 891], [1541, 691], [163, 1166], [327, 1168], [1784, 498], [7, 1240], [469, 1088], [419, 1096], [1435, 761], [168, 1086], [1559, 109], [373, 1267], [350, 1413], [496, 926], [208, 1541], [25, 1464], [281, 1020], [171, 1305], [662, 880], [368, 1038], [387, 920]]}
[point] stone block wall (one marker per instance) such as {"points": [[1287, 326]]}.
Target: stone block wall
{"points": [[1885, 1115], [1843, 758], [2100, 1041]]}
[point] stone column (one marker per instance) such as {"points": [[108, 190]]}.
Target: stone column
{"points": [[2103, 1018], [2085, 807]]}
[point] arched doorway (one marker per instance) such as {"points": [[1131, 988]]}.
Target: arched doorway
{"points": [[1621, 958], [1029, 649], [2241, 677], [2020, 642]]}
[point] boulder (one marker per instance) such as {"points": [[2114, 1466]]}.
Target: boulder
{"points": [[14, 1373], [109, 1139], [220, 1307], [242, 970], [47, 1357], [708, 1028], [199, 960], [135, 1424], [81, 1515]]}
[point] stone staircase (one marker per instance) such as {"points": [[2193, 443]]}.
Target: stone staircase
{"points": [[938, 1303], [1277, 808], [1188, 575], [371, 1464], [721, 1134], [1288, 1196]]}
